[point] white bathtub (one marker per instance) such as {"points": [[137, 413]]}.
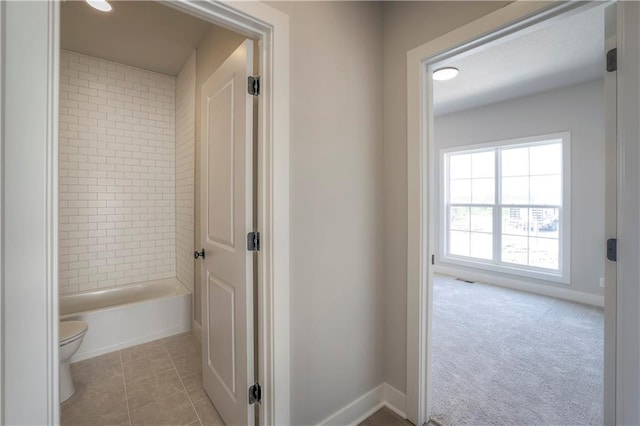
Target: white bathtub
{"points": [[129, 315]]}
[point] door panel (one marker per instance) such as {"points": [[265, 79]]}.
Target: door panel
{"points": [[221, 298], [220, 204], [227, 216]]}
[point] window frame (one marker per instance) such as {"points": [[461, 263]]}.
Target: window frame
{"points": [[563, 275]]}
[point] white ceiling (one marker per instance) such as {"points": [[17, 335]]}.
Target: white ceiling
{"points": [[144, 34], [565, 52]]}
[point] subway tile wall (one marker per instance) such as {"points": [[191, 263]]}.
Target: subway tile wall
{"points": [[117, 183], [185, 169]]}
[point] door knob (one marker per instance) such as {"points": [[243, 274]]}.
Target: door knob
{"points": [[198, 254]]}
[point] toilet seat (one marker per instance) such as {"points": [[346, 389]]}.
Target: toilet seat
{"points": [[71, 330]]}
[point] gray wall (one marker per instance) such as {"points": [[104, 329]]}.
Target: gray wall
{"points": [[336, 205], [336, 199], [578, 109], [406, 25]]}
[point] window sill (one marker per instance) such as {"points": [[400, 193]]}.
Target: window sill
{"points": [[515, 272]]}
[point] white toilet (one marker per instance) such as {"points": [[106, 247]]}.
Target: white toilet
{"points": [[71, 334]]}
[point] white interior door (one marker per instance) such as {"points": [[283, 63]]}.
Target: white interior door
{"points": [[227, 212]]}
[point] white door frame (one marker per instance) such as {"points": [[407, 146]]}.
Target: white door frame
{"points": [[271, 28], [421, 184], [29, 322], [30, 193]]}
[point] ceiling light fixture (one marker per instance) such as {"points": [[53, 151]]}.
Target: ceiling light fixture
{"points": [[101, 5], [446, 73]]}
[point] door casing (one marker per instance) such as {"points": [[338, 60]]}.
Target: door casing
{"points": [[41, 20], [421, 228]]}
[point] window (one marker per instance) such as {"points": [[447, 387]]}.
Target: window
{"points": [[505, 204]]}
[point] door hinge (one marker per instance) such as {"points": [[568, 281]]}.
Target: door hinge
{"points": [[433, 259], [612, 60], [253, 241], [253, 85], [612, 249], [255, 393]]}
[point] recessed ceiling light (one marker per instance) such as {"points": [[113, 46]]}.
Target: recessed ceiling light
{"points": [[446, 73], [101, 5]]}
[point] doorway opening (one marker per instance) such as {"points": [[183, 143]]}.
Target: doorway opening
{"points": [[503, 163], [134, 127]]}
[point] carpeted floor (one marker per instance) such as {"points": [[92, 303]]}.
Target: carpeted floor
{"points": [[504, 357]]}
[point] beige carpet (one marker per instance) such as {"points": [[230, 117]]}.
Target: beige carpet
{"points": [[504, 357]]}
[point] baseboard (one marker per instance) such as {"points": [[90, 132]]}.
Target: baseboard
{"points": [[197, 330], [395, 400], [364, 406], [516, 284]]}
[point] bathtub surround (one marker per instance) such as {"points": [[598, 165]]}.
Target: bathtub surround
{"points": [[185, 169], [129, 315], [117, 174]]}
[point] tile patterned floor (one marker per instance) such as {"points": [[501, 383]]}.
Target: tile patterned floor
{"points": [[156, 383]]}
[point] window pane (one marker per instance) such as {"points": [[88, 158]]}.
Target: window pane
{"points": [[545, 223], [515, 221], [515, 162], [546, 190], [515, 190], [459, 166], [546, 159], [482, 191], [529, 176], [515, 249], [481, 245], [482, 164], [459, 243], [460, 191], [543, 253], [482, 219], [459, 218]]}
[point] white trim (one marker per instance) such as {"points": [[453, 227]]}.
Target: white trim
{"points": [[395, 400], [611, 218], [30, 213], [197, 329], [563, 275], [357, 410], [520, 284], [271, 28], [421, 182], [361, 408], [52, 289], [2, 332], [628, 295]]}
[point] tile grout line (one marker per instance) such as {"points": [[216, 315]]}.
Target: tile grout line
{"points": [[153, 373], [182, 383], [124, 383]]}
